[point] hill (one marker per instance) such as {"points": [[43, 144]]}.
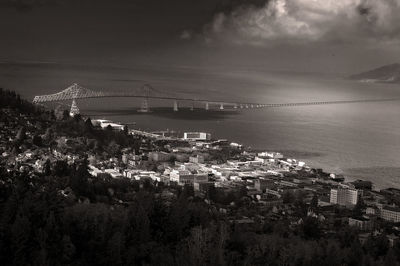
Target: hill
{"points": [[384, 74]]}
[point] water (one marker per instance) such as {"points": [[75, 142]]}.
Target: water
{"points": [[360, 140]]}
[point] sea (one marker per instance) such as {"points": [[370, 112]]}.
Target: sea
{"points": [[359, 140]]}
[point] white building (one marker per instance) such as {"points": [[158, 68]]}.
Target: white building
{"points": [[181, 176], [196, 136], [390, 213], [114, 126], [273, 155], [114, 173], [105, 123], [344, 196]]}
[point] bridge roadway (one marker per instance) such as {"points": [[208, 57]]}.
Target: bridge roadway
{"points": [[146, 92], [225, 103]]}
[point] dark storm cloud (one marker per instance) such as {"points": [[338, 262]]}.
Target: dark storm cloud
{"points": [[27, 5], [307, 20]]}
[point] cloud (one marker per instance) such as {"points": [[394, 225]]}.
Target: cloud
{"points": [[186, 35], [308, 21], [26, 5]]}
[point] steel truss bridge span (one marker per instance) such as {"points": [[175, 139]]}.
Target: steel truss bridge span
{"points": [[146, 92]]}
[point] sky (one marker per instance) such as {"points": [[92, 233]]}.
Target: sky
{"points": [[340, 36]]}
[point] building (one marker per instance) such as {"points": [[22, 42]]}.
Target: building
{"points": [[362, 184], [196, 159], [113, 173], [272, 155], [114, 126], [105, 123], [363, 223], [160, 156], [203, 187], [390, 213], [262, 184], [181, 177], [344, 196], [98, 122], [196, 136]]}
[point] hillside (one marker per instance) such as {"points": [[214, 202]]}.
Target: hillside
{"points": [[384, 74]]}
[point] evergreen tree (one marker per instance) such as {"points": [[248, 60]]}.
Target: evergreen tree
{"points": [[37, 140], [21, 238], [21, 135]]}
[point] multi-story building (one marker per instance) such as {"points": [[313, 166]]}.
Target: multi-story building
{"points": [[344, 196], [362, 223], [196, 159], [390, 213], [184, 177], [160, 156]]}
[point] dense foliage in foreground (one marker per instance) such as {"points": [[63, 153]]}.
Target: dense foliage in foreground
{"points": [[40, 226]]}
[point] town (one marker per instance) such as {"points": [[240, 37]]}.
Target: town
{"points": [[249, 189]]}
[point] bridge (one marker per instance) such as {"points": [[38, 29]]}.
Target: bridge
{"points": [[147, 92]]}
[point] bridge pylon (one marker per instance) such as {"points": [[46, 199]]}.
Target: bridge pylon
{"points": [[175, 106], [207, 106], [145, 106], [74, 109]]}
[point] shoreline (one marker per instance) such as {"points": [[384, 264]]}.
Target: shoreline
{"points": [[309, 163]]}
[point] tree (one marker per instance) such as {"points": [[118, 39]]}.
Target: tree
{"points": [[359, 208], [314, 202], [390, 259], [88, 127], [21, 135], [21, 234], [61, 168], [78, 118], [79, 179], [47, 168], [48, 136], [65, 115], [37, 140], [310, 228], [115, 248], [288, 197], [68, 250]]}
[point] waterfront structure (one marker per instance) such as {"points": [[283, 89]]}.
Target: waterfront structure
{"points": [[114, 126], [273, 155], [344, 196], [196, 136], [103, 123]]}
